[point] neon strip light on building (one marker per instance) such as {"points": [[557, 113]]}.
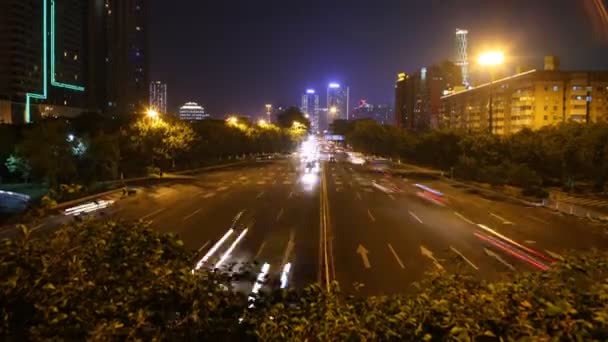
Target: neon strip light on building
{"points": [[54, 83]]}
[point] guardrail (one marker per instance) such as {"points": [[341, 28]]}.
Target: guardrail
{"points": [[575, 210]]}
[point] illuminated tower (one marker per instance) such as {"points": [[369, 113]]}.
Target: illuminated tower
{"points": [[158, 96], [337, 102], [462, 56], [310, 107]]}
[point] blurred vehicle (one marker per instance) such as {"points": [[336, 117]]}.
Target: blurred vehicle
{"points": [[431, 195]]}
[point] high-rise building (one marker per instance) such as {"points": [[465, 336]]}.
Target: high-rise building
{"points": [[380, 113], [192, 111], [337, 102], [532, 99], [310, 107], [42, 52], [158, 96], [462, 54], [126, 27]]}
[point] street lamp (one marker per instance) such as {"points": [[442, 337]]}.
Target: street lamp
{"points": [[333, 110], [262, 122], [491, 59], [152, 114]]}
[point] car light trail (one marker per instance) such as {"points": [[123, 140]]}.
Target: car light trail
{"points": [[258, 283], [87, 208], [426, 188], [514, 253], [213, 250], [529, 250], [285, 275], [229, 251]]}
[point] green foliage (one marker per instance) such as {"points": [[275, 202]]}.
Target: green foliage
{"points": [[18, 166], [290, 115], [122, 281]]}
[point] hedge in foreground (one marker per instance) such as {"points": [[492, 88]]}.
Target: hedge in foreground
{"points": [[115, 280]]}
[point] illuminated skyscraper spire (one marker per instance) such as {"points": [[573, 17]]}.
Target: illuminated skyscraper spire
{"points": [[462, 56]]}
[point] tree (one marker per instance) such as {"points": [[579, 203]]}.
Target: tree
{"points": [[290, 115], [45, 147], [19, 166]]}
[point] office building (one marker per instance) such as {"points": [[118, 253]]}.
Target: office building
{"points": [[338, 98], [382, 114], [310, 107], [158, 96], [418, 96], [192, 111], [462, 54], [532, 99]]}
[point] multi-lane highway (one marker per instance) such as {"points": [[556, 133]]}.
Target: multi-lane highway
{"points": [[354, 225]]}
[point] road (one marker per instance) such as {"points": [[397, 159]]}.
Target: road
{"points": [[354, 225]]}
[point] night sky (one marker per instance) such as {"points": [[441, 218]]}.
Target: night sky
{"points": [[235, 56]]}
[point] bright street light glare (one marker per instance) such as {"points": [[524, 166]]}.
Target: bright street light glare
{"points": [[491, 58], [333, 110], [152, 113], [262, 122], [232, 120]]}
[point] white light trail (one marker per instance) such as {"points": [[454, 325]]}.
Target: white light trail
{"points": [[87, 207], [285, 275], [229, 251], [258, 282], [213, 250]]}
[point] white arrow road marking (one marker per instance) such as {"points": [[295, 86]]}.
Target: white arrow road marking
{"points": [[499, 258], [371, 217], [416, 217], [396, 256], [504, 220], [189, 216], [427, 253], [363, 253], [464, 218], [464, 258]]}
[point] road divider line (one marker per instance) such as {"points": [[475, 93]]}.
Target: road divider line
{"points": [[464, 258], [279, 215], [212, 250], [396, 256], [416, 217], [259, 252], [153, 213], [230, 249], [189, 216], [554, 255], [222, 188], [203, 246], [504, 220], [463, 218], [371, 217], [209, 195], [260, 195]]}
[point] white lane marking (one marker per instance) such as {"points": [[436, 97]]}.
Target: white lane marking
{"points": [[359, 196], [213, 249], [554, 255], [199, 193], [391, 197], [338, 182], [499, 258], [260, 194], [258, 283], [286, 182], [203, 246], [427, 253], [222, 188], [153, 213], [504, 220], [363, 253], [209, 195], [537, 219], [257, 255], [464, 258], [464, 218], [290, 195], [262, 182], [279, 214], [371, 217], [189, 216], [416, 217], [530, 242], [289, 248], [232, 247], [396, 256]]}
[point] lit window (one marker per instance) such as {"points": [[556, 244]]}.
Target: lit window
{"points": [[575, 88], [137, 28], [65, 53], [555, 88], [75, 57]]}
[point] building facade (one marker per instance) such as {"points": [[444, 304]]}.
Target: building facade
{"points": [[338, 98], [382, 114], [192, 111], [532, 99], [310, 107], [462, 54], [158, 96]]}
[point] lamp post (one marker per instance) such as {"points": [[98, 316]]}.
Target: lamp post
{"points": [[491, 59]]}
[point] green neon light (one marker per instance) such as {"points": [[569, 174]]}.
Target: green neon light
{"points": [[53, 81], [42, 96]]}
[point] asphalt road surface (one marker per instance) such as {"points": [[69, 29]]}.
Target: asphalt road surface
{"points": [[354, 225]]}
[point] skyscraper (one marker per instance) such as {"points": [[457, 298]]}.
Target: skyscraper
{"points": [[158, 96], [462, 54], [337, 102], [310, 106]]}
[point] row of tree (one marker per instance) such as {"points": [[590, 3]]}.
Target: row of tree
{"points": [[566, 155], [93, 148]]}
